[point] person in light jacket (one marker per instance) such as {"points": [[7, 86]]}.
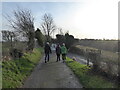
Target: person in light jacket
{"points": [[63, 52]]}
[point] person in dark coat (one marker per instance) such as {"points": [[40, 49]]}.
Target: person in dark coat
{"points": [[58, 52], [47, 50]]}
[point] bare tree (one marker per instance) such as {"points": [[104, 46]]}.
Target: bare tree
{"points": [[48, 25], [5, 36], [8, 36], [60, 31], [24, 23]]}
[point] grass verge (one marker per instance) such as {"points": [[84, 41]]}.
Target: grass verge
{"points": [[15, 71], [87, 79]]}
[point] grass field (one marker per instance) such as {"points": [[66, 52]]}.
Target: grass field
{"points": [[14, 72], [105, 55], [108, 45], [88, 79]]}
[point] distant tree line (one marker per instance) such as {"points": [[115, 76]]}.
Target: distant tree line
{"points": [[69, 40]]}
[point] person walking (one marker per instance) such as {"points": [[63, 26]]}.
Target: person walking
{"points": [[47, 50], [58, 52], [63, 52]]}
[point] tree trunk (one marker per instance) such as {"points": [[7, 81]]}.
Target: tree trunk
{"points": [[31, 41], [11, 42]]}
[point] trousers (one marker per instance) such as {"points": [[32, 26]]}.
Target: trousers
{"points": [[47, 56]]}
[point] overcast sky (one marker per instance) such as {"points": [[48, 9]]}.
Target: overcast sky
{"points": [[96, 19]]}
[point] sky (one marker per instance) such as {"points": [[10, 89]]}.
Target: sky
{"points": [[95, 19]]}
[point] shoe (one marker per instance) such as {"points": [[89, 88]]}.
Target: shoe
{"points": [[45, 62], [57, 61]]}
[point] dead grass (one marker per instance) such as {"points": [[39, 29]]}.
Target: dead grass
{"points": [[106, 56], [6, 48]]}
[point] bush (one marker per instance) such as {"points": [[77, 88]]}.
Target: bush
{"points": [[76, 50], [15, 53]]}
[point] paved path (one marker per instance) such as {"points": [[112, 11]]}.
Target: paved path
{"points": [[52, 75]]}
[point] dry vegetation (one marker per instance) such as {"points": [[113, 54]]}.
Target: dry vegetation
{"points": [[108, 61], [6, 49], [109, 45], [105, 55]]}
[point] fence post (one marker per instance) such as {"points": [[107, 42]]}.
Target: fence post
{"points": [[96, 58], [118, 76], [87, 56]]}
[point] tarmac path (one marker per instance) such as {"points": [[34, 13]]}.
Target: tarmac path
{"points": [[52, 75]]}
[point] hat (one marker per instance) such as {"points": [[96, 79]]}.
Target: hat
{"points": [[47, 43], [63, 44]]}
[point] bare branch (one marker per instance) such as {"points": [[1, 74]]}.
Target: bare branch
{"points": [[23, 23], [48, 25]]}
